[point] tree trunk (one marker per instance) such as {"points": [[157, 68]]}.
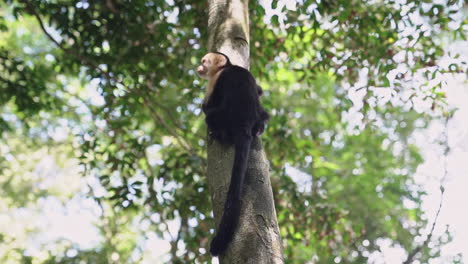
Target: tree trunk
{"points": [[257, 239]]}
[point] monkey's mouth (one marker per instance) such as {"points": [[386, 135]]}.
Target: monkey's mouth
{"points": [[201, 70]]}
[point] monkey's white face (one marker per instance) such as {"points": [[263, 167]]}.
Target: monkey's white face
{"points": [[211, 63]]}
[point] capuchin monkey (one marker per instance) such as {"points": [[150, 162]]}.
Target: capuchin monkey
{"points": [[234, 116]]}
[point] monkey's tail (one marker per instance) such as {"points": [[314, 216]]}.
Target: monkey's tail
{"points": [[232, 206]]}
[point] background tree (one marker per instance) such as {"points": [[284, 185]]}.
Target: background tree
{"points": [[112, 84]]}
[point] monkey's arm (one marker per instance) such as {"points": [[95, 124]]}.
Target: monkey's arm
{"points": [[215, 113]]}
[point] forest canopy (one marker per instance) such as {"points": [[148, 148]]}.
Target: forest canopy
{"points": [[100, 106]]}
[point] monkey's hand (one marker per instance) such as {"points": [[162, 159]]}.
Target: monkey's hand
{"points": [[219, 135]]}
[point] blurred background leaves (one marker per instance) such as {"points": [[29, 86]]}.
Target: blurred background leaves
{"points": [[100, 108]]}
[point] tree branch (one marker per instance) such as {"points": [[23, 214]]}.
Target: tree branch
{"points": [[415, 251], [155, 114], [75, 54], [107, 74]]}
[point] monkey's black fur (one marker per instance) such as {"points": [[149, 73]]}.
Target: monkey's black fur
{"points": [[234, 116]]}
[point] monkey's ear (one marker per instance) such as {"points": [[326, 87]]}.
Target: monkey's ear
{"points": [[220, 61]]}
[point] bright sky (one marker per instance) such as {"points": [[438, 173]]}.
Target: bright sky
{"points": [[430, 173]]}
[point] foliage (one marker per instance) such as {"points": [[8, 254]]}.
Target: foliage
{"points": [[339, 80]]}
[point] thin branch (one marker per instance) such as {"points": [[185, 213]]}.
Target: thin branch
{"points": [[84, 60], [152, 88], [167, 111], [111, 7], [160, 119], [415, 251], [91, 64]]}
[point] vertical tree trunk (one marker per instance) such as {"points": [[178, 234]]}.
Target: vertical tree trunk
{"points": [[257, 239]]}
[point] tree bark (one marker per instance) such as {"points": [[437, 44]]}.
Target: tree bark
{"points": [[257, 239]]}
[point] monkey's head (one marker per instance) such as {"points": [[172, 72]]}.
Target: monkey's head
{"points": [[212, 63]]}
